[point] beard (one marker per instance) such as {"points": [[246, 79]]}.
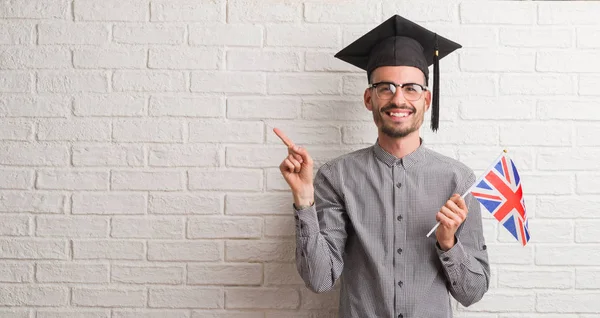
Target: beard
{"points": [[395, 129]]}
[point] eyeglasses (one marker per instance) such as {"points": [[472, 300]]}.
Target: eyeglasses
{"points": [[387, 90]]}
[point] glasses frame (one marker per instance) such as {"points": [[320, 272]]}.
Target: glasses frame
{"points": [[374, 85]]}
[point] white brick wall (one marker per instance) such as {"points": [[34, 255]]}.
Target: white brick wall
{"points": [[138, 170]]}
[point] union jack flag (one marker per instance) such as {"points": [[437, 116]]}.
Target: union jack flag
{"points": [[499, 191]]}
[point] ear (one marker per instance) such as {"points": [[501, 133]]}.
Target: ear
{"points": [[427, 97], [368, 99]]}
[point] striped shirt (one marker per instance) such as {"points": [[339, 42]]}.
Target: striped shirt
{"points": [[368, 225]]}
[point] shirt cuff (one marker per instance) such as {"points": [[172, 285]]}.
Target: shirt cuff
{"points": [[307, 222], [454, 256]]}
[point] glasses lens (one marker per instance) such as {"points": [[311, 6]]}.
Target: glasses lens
{"points": [[385, 90], [412, 91]]}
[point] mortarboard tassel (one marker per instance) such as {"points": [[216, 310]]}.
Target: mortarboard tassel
{"points": [[435, 110]]}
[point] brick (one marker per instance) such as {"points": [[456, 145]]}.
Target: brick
{"points": [[570, 301], [15, 130], [74, 130], [225, 131], [111, 10], [154, 313], [110, 58], [335, 109], [226, 34], [275, 298], [148, 81], [46, 57], [107, 204], [13, 32], [499, 254], [303, 84], [108, 155], [521, 84], [181, 203], [585, 135], [224, 227], [580, 255], [498, 108], [226, 314], [570, 61], [14, 313], [73, 33], [147, 130], [537, 134], [546, 231], [13, 272], [72, 81], [152, 33], [228, 82], [146, 180], [31, 295], [270, 61], [246, 180], [108, 249], [255, 157], [147, 227], [258, 204], [588, 84], [257, 11], [498, 61], [72, 273], [172, 275], [499, 301], [72, 180], [587, 278], [37, 154], [197, 251], [572, 159], [578, 207], [359, 134], [424, 11], [185, 297], [183, 156], [498, 12], [548, 184], [188, 10], [326, 62], [185, 58], [354, 85], [35, 9], [26, 248], [466, 85], [261, 107], [480, 158], [280, 226], [302, 35], [588, 37], [551, 37], [566, 13], [351, 33], [260, 251], [568, 109], [34, 106], [291, 314], [186, 106], [14, 225], [586, 231], [305, 132], [463, 134], [282, 274], [311, 300], [31, 202], [230, 274], [109, 105], [78, 313], [71, 227], [108, 297], [470, 36], [16, 179], [15, 82], [340, 12]]}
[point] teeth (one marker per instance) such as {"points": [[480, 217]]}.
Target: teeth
{"points": [[399, 114]]}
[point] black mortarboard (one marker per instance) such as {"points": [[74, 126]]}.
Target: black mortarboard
{"points": [[400, 42]]}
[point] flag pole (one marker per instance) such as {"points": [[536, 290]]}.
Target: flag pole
{"points": [[472, 186]]}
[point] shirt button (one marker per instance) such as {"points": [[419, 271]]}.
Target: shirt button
{"points": [[399, 218], [400, 284], [400, 316], [445, 259], [399, 251], [398, 185]]}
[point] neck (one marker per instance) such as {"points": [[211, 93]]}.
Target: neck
{"points": [[399, 147]]}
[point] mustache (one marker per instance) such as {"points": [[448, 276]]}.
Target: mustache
{"points": [[394, 106]]}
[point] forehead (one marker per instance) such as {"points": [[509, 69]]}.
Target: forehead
{"points": [[398, 74]]}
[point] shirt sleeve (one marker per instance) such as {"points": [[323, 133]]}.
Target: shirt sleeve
{"points": [[321, 235], [466, 264]]}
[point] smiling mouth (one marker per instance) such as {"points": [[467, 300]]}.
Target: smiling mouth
{"points": [[399, 114]]}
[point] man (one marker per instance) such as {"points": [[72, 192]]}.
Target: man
{"points": [[367, 213]]}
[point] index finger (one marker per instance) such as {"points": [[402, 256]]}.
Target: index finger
{"points": [[283, 137]]}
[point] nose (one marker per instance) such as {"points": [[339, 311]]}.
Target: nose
{"points": [[398, 97]]}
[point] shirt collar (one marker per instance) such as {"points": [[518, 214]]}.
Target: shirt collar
{"points": [[407, 161]]}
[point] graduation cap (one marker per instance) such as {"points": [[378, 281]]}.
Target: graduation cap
{"points": [[400, 42]]}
